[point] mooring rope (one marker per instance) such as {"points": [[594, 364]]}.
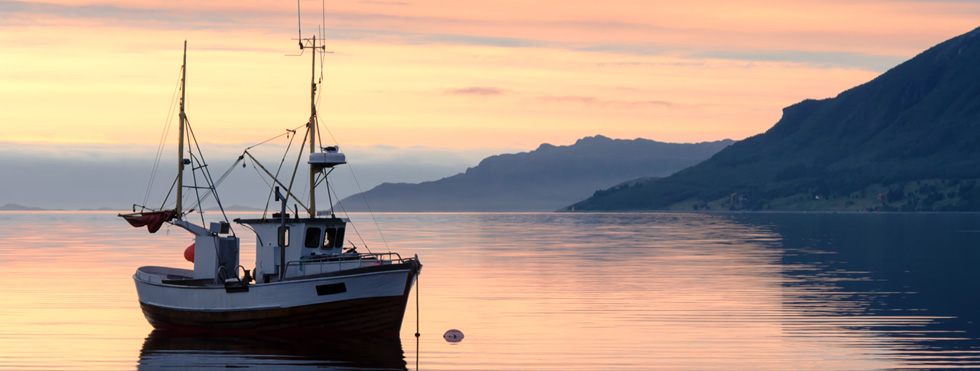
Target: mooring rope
{"points": [[417, 289], [417, 333]]}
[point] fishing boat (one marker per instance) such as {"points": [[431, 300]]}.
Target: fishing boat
{"points": [[306, 279]]}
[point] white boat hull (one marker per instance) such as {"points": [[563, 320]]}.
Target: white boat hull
{"points": [[368, 300]]}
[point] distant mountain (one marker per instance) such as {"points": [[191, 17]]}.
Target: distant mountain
{"points": [[907, 140], [16, 207], [544, 179]]}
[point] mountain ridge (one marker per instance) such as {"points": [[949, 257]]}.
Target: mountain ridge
{"points": [[903, 141], [18, 207], [544, 179]]}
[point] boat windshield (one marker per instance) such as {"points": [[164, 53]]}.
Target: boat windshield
{"points": [[334, 238]]}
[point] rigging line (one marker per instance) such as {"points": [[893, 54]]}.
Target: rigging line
{"points": [[360, 190], [286, 133], [196, 188], [276, 181], [222, 178], [163, 138], [358, 233], [173, 186], [417, 334], [319, 94], [262, 176], [329, 198], [325, 127], [319, 179], [171, 191], [319, 84], [368, 205], [323, 35], [299, 25], [316, 118], [317, 123], [159, 153], [304, 190], [299, 156], [207, 176], [323, 53], [190, 153], [277, 136], [279, 169]]}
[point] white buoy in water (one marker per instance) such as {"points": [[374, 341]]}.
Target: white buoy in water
{"points": [[453, 336]]}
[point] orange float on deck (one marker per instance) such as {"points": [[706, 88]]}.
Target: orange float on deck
{"points": [[189, 253]]}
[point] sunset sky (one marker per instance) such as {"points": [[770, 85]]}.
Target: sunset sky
{"points": [[94, 79]]}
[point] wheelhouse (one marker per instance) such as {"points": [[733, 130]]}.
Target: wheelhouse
{"points": [[299, 242]]}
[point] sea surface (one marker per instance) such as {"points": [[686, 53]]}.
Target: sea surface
{"points": [[659, 291]]}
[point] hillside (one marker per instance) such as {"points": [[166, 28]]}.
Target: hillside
{"points": [[544, 179], [908, 140]]}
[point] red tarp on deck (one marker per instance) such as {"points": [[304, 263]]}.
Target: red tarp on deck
{"points": [[151, 219]]}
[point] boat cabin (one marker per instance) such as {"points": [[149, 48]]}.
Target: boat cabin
{"points": [[215, 251], [309, 246]]}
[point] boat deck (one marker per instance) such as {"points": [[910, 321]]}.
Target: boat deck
{"points": [[172, 276], [294, 270]]}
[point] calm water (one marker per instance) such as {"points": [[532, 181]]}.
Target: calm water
{"points": [[543, 292]]}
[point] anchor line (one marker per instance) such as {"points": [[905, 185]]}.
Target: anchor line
{"points": [[417, 334]]}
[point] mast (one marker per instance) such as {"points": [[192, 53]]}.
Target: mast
{"points": [[180, 136], [312, 127]]}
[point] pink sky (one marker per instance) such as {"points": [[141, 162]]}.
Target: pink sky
{"points": [[447, 74]]}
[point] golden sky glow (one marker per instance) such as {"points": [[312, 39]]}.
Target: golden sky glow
{"points": [[462, 74]]}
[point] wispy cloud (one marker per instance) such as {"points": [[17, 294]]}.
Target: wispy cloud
{"points": [[393, 3], [113, 14], [607, 103], [476, 90], [827, 59], [402, 22], [510, 73]]}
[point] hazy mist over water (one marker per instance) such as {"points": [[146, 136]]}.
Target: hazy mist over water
{"points": [[90, 176], [772, 291]]}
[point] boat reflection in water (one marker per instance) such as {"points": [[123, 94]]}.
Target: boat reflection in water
{"points": [[166, 350]]}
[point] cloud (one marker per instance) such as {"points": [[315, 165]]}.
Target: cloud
{"points": [[816, 59], [504, 42], [476, 90], [392, 3], [607, 103], [401, 23], [651, 64], [113, 14]]}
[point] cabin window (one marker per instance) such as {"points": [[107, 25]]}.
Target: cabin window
{"points": [[312, 237], [329, 238], [334, 238], [283, 236]]}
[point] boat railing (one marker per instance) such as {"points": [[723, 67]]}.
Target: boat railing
{"points": [[334, 263]]}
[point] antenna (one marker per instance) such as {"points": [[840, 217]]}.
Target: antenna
{"points": [[310, 43], [299, 26]]}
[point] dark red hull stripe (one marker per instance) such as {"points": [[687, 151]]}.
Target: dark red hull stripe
{"points": [[380, 316]]}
